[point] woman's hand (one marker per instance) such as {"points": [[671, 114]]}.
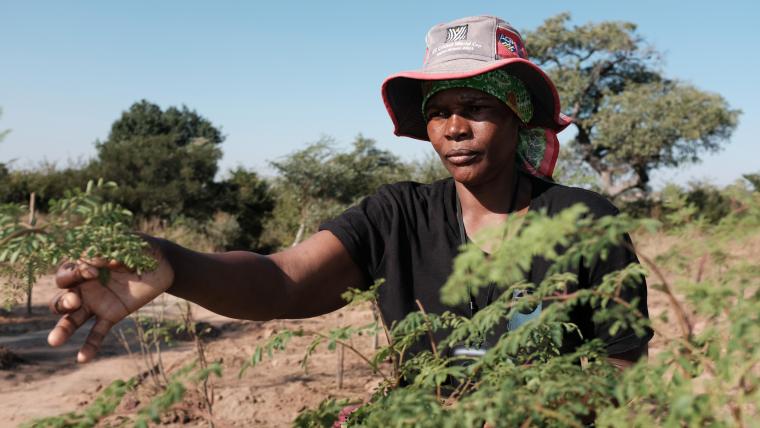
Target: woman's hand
{"points": [[85, 297]]}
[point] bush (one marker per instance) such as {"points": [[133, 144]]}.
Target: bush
{"points": [[706, 374], [47, 181], [698, 202], [213, 235]]}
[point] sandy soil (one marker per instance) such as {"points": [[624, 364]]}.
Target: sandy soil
{"points": [[50, 382]]}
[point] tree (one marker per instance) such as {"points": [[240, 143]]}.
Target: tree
{"points": [[164, 161], [428, 169], [47, 181], [754, 180], [629, 118], [249, 198], [317, 182]]}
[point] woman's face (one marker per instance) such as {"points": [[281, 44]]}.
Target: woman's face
{"points": [[474, 134]]}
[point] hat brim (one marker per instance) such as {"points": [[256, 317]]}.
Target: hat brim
{"points": [[402, 93]]}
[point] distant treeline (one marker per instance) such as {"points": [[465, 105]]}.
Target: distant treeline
{"points": [[165, 163]]}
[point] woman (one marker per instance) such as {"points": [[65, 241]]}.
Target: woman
{"points": [[490, 114]]}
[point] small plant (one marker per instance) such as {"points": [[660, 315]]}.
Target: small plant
{"points": [[175, 391], [82, 224], [103, 405]]}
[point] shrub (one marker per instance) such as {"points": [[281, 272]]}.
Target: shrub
{"points": [[705, 375]]}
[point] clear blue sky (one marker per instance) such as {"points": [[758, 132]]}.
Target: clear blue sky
{"points": [[276, 75]]}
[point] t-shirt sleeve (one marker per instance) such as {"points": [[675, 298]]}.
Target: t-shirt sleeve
{"points": [[618, 257], [364, 228]]}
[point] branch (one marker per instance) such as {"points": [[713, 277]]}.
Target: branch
{"points": [[683, 320], [709, 366], [376, 308], [556, 415], [354, 350], [576, 109], [625, 186], [430, 331], [590, 53], [432, 343], [28, 230]]}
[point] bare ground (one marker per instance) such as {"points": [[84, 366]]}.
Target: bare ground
{"points": [[49, 382]]}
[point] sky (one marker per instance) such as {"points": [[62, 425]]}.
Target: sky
{"points": [[278, 75]]}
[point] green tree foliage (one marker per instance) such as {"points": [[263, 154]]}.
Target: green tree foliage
{"points": [[318, 182], [572, 171], [47, 181], [754, 180], [428, 169], [249, 198], [163, 160], [629, 118], [698, 204]]}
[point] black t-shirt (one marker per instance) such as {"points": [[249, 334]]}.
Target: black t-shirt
{"points": [[408, 234]]}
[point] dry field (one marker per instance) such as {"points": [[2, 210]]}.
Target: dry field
{"points": [[48, 382]]}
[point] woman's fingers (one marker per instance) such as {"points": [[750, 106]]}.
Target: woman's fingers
{"points": [[65, 302], [94, 340], [87, 270], [72, 273], [68, 275], [114, 264], [67, 326]]}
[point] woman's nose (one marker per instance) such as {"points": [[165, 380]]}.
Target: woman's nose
{"points": [[457, 128]]}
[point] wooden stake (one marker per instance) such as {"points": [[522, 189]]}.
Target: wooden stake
{"points": [[341, 351], [376, 339], [32, 200], [30, 268]]}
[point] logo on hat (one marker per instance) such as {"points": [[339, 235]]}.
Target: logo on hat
{"points": [[507, 42], [454, 34]]}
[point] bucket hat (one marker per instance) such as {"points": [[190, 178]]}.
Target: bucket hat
{"points": [[469, 47]]}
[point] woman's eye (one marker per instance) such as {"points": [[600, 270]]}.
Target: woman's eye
{"points": [[433, 114]]}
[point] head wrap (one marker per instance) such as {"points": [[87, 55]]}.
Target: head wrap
{"points": [[512, 92]]}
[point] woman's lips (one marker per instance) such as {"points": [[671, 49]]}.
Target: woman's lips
{"points": [[461, 157]]}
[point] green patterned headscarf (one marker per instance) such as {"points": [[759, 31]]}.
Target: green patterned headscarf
{"points": [[512, 92]]}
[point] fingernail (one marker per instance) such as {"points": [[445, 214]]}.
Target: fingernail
{"points": [[65, 304], [58, 306]]}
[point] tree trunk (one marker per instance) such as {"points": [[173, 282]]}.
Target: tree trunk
{"points": [[299, 234], [301, 227], [605, 182], [609, 185], [612, 188]]}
